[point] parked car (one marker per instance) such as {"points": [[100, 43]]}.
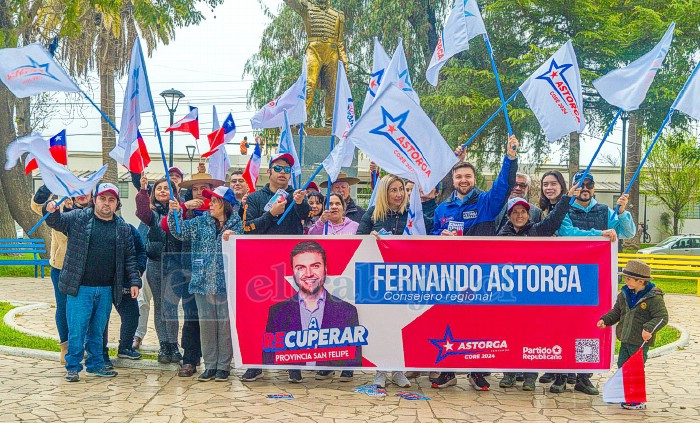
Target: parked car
{"points": [[682, 245]]}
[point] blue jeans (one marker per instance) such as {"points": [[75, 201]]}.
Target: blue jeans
{"points": [[87, 313], [61, 322]]}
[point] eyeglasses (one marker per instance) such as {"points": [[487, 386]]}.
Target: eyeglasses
{"points": [[520, 185], [588, 185], [280, 169]]}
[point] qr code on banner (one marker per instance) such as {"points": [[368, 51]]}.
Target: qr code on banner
{"points": [[588, 350]]}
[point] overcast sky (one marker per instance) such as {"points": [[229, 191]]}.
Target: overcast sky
{"points": [[206, 62]]}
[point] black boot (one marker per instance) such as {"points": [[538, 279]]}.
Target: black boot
{"points": [[164, 353], [175, 356]]}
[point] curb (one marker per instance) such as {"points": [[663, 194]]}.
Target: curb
{"points": [[118, 362], [23, 307], [673, 346]]}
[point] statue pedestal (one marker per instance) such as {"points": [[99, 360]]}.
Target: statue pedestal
{"points": [[314, 151]]}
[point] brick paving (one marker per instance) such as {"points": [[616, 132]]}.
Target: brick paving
{"points": [[34, 390]]}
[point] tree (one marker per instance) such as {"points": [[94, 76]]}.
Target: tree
{"points": [[672, 172], [96, 36]]}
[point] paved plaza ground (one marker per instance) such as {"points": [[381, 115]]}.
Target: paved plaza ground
{"points": [[33, 389]]}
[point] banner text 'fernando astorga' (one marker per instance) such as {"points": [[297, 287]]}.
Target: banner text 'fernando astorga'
{"points": [[493, 284]]}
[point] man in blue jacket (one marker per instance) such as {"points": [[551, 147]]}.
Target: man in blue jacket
{"points": [[470, 211]]}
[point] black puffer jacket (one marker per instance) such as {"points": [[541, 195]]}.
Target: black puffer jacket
{"points": [[158, 241], [354, 212], [394, 222], [77, 225], [546, 227]]}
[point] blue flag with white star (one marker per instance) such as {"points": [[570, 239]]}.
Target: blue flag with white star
{"points": [[553, 92], [400, 138], [31, 70]]}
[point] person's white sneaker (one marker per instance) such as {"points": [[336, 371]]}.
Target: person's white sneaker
{"points": [[380, 379], [399, 378]]}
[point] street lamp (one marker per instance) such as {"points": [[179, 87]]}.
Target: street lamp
{"points": [[172, 100], [190, 153]]}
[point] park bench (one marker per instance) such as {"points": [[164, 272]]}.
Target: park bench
{"points": [[24, 246], [665, 265]]}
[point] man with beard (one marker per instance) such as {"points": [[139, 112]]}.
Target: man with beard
{"points": [[58, 252], [313, 306], [100, 256], [470, 211]]}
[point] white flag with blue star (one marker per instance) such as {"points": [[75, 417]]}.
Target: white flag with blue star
{"points": [[553, 92], [397, 73], [688, 100], [379, 63], [31, 70], [627, 87], [400, 138], [415, 225], [463, 24]]}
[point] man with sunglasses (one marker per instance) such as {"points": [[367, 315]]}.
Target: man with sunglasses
{"points": [[587, 217], [262, 211]]}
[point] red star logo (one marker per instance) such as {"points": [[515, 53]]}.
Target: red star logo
{"points": [[373, 83], [391, 129], [554, 74]]}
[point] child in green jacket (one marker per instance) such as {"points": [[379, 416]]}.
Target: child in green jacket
{"points": [[638, 310]]}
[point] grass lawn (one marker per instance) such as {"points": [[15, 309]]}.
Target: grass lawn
{"points": [[14, 338], [20, 271], [665, 336]]}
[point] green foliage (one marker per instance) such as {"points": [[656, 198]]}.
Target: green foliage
{"points": [[606, 34], [671, 174], [14, 338]]}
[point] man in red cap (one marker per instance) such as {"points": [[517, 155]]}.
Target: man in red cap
{"points": [[262, 212]]}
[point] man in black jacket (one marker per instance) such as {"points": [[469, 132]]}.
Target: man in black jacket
{"points": [[261, 215], [100, 255]]}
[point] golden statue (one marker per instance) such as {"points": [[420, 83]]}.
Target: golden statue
{"points": [[324, 30]]}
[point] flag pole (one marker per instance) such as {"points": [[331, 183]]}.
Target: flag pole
{"points": [[306, 185], [328, 191], [301, 150], [157, 129], [31, 231], [498, 84], [658, 134], [605, 137], [493, 116]]}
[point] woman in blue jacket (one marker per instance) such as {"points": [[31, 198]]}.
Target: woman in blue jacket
{"points": [[208, 283]]}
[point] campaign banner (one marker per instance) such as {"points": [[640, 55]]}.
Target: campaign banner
{"points": [[421, 302]]}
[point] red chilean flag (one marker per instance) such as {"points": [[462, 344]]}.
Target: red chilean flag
{"points": [[628, 384], [189, 123]]}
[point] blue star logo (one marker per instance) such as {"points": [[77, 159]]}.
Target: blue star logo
{"points": [[405, 81], [39, 70], [375, 82], [467, 13], [448, 346], [392, 128], [556, 72]]}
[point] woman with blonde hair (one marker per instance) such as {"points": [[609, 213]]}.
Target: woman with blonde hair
{"points": [[389, 213]]}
